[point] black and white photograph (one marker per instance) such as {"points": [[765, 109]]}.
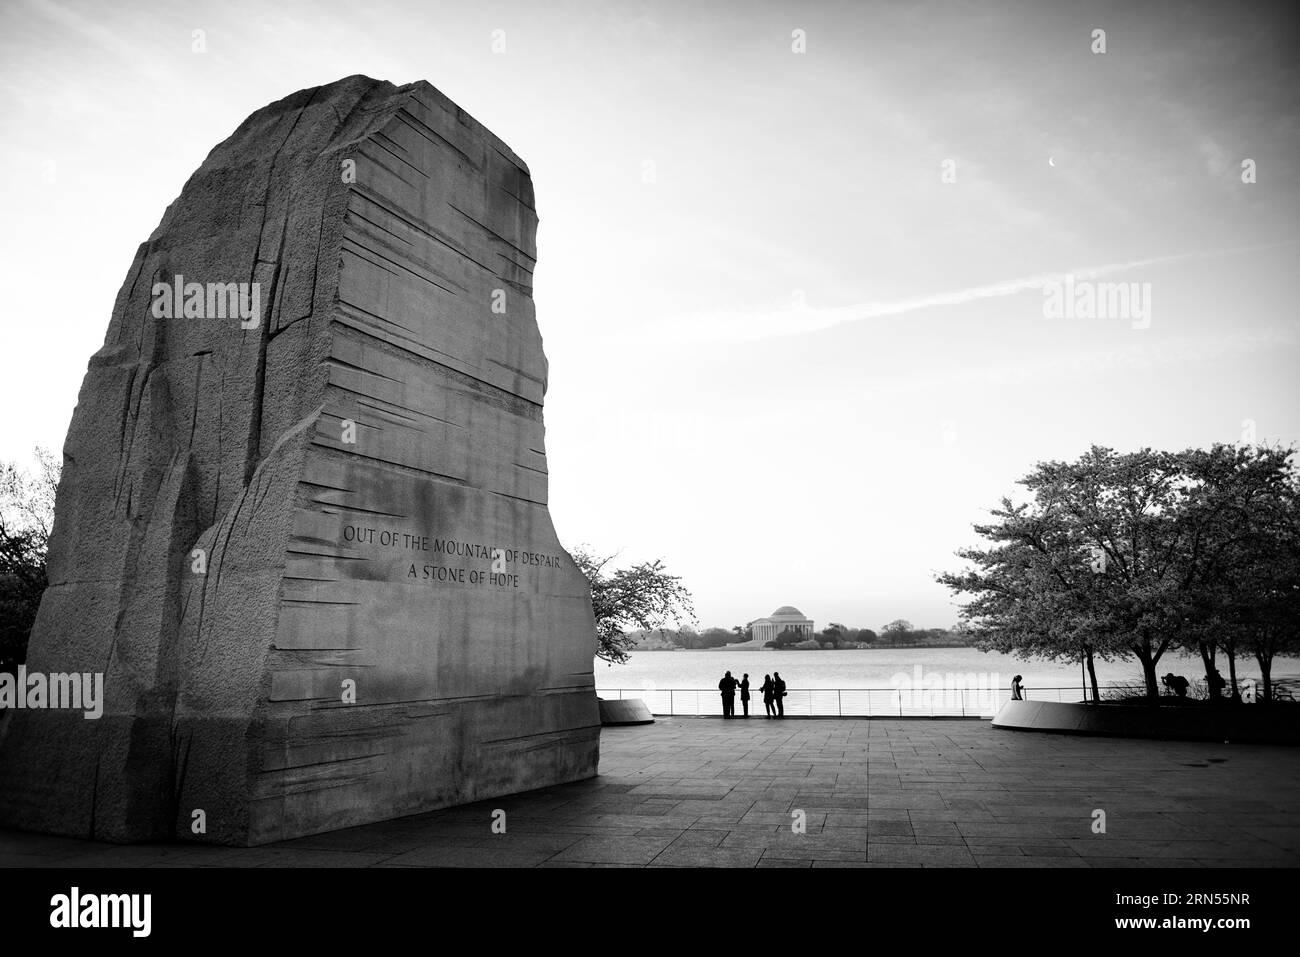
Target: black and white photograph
{"points": [[447, 441]]}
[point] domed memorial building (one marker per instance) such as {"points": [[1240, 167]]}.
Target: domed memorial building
{"points": [[785, 617]]}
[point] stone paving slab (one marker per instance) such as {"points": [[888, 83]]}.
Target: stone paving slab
{"points": [[699, 792]]}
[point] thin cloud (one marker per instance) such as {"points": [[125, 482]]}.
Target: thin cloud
{"points": [[799, 319]]}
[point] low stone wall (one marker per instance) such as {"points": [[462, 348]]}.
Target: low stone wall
{"points": [[625, 711], [1229, 723]]}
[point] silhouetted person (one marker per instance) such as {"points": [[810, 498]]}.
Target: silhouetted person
{"points": [[1017, 689], [1216, 684], [744, 693], [1175, 683], [728, 688], [778, 693], [768, 691]]}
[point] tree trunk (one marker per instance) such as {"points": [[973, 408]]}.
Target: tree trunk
{"points": [[1232, 673], [1149, 674], [1207, 658], [1265, 660], [1092, 674]]}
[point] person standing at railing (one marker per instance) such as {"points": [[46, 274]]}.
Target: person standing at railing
{"points": [[768, 691], [778, 693], [744, 693], [728, 688], [1017, 689]]}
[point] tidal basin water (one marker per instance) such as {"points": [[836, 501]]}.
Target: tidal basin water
{"points": [[905, 681]]}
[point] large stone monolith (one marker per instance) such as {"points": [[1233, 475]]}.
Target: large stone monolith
{"points": [[302, 529]]}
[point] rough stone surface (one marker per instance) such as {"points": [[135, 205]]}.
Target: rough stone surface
{"points": [[392, 240]]}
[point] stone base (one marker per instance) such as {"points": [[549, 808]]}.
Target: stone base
{"points": [[625, 711], [1257, 724]]}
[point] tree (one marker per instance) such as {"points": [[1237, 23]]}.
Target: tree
{"points": [[686, 637], [738, 635], [1083, 569], [643, 596], [1241, 501], [1023, 601], [715, 638], [865, 635], [1116, 554], [787, 637], [1260, 587], [900, 631], [834, 635], [26, 519]]}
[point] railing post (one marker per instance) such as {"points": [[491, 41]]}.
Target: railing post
{"points": [[900, 702], [670, 701], [839, 703]]}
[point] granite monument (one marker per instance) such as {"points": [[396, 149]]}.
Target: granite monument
{"points": [[302, 531]]}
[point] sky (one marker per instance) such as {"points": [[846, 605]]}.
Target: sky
{"points": [[795, 304]]}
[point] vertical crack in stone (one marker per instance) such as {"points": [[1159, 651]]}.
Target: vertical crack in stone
{"points": [[253, 454]]}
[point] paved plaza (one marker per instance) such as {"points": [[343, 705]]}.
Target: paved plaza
{"points": [[691, 792]]}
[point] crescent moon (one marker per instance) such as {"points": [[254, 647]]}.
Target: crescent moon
{"points": [[1050, 162]]}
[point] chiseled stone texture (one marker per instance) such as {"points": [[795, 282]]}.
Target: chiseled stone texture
{"points": [[382, 405]]}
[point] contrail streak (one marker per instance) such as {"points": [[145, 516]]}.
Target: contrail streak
{"points": [[798, 319]]}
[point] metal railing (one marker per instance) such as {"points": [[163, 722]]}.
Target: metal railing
{"points": [[847, 702]]}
